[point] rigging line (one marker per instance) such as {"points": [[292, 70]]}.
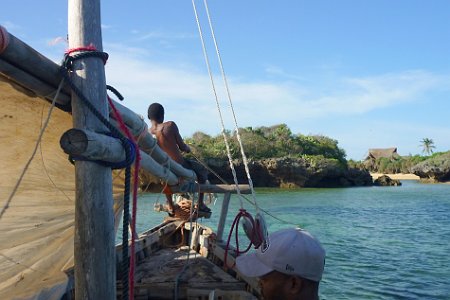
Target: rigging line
{"points": [[38, 142], [243, 196], [45, 167], [209, 169], [270, 214], [244, 157], [234, 116], [205, 54]]}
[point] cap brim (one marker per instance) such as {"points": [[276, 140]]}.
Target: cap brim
{"points": [[250, 265]]}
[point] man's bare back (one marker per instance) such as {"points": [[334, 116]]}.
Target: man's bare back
{"points": [[169, 139]]}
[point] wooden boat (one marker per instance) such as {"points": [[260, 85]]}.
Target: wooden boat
{"points": [[177, 259]]}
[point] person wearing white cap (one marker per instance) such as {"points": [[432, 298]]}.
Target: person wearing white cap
{"points": [[289, 265]]}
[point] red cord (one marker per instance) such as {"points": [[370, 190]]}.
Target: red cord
{"points": [[242, 213], [124, 129], [91, 47]]}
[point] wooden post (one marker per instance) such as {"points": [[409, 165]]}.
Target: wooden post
{"points": [[95, 268], [223, 216]]}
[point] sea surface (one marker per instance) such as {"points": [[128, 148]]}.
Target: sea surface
{"points": [[381, 242]]}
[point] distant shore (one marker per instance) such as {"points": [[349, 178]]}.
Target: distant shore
{"points": [[399, 176]]}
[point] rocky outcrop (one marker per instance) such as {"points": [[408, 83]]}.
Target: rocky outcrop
{"points": [[292, 173], [386, 181], [436, 169]]}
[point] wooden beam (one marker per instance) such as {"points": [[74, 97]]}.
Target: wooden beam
{"points": [[223, 216], [24, 58], [32, 83], [148, 144], [92, 145], [219, 252], [204, 188], [94, 252]]}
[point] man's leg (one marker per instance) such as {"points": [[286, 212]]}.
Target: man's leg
{"points": [[170, 203], [202, 176]]}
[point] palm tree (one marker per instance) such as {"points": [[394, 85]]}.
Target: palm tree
{"points": [[427, 145]]}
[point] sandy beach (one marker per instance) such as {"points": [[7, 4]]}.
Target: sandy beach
{"points": [[396, 176]]}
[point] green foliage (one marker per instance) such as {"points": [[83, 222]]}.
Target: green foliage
{"points": [[321, 145], [427, 145], [267, 142], [356, 164], [401, 164]]}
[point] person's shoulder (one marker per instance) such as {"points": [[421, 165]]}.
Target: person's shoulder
{"points": [[170, 124]]}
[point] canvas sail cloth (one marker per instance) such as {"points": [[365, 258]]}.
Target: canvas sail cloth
{"points": [[36, 230], [37, 223]]}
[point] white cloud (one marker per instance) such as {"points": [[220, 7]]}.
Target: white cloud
{"points": [[279, 72], [156, 34], [187, 93], [106, 27]]}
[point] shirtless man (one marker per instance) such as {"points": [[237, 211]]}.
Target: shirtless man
{"points": [[171, 142]]}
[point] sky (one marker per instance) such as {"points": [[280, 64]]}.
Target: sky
{"points": [[369, 74]]}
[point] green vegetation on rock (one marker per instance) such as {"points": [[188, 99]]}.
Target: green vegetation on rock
{"points": [[268, 142], [394, 165]]}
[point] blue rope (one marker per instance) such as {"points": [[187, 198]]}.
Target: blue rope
{"points": [[66, 67], [109, 164]]}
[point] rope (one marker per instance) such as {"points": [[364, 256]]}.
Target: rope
{"points": [[38, 142], [238, 136], [45, 166], [65, 67], [255, 235], [208, 168], [135, 188], [4, 39], [205, 54]]}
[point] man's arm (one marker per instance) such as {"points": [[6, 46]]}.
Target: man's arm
{"points": [[179, 140]]}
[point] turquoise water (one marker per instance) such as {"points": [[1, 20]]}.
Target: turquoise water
{"points": [[381, 242]]}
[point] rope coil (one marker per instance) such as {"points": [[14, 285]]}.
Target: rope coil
{"points": [[252, 231]]}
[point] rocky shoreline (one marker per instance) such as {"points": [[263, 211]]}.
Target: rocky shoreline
{"points": [[288, 172], [292, 173], [434, 170]]}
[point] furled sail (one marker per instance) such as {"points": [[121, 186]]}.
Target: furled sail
{"points": [[37, 195]]}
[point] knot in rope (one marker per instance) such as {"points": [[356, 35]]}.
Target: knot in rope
{"points": [[66, 69], [83, 52]]}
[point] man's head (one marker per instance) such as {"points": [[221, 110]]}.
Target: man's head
{"points": [[289, 266], [156, 112]]}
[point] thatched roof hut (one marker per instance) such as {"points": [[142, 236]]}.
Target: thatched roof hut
{"points": [[382, 152]]}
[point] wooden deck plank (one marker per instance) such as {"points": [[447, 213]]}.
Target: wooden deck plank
{"points": [[156, 276]]}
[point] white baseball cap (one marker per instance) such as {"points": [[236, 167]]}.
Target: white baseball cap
{"points": [[290, 251]]}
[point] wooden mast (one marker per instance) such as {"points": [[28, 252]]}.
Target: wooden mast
{"points": [[95, 268]]}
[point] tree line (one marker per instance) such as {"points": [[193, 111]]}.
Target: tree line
{"points": [[266, 142], [398, 164], [278, 141]]}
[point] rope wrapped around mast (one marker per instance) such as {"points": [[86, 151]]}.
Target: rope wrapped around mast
{"points": [[66, 68]]}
